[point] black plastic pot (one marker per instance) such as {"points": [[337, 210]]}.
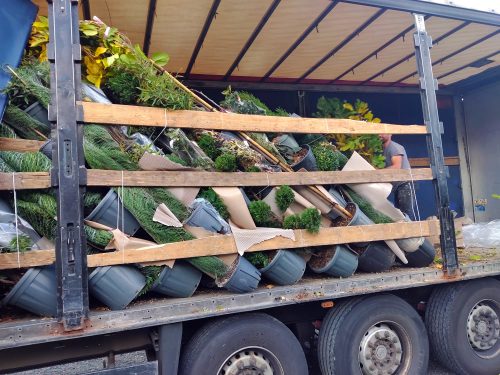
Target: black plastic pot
{"points": [[342, 264], [286, 268], [244, 277], [207, 217], [359, 218], [109, 210], [423, 257], [39, 113], [116, 286], [46, 148], [337, 196], [376, 257], [308, 162], [179, 281], [36, 292]]}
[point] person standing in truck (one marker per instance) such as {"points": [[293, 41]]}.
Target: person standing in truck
{"points": [[396, 158]]}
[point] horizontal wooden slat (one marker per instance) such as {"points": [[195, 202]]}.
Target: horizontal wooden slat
{"points": [[425, 162], [97, 177], [20, 145], [222, 245], [144, 116]]}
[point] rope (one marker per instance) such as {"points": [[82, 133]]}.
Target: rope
{"points": [[414, 195], [164, 127], [16, 219]]}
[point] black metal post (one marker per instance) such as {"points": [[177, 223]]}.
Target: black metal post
{"points": [[68, 170], [428, 87]]}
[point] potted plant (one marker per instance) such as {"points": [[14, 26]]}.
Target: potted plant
{"points": [[241, 277], [179, 281], [358, 218], [304, 159], [109, 212], [423, 257], [116, 286], [284, 267], [35, 292], [376, 257], [335, 260]]}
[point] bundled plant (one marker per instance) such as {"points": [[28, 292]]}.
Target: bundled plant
{"points": [[259, 259], [374, 215], [226, 162], [208, 144], [24, 125], [309, 219], [284, 197], [368, 146], [328, 158], [210, 195], [262, 214]]}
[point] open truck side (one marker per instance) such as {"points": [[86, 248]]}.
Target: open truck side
{"points": [[366, 324]]}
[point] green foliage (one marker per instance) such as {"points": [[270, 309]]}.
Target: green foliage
{"points": [[261, 212], [368, 146], [98, 237], [7, 132], [176, 159], [253, 168], [309, 219], [164, 196], [209, 146], [258, 258], [327, 158], [29, 83], [122, 86], [24, 125], [211, 266], [374, 215], [91, 199], [284, 197], [151, 273], [226, 162], [21, 242], [210, 195], [26, 161], [245, 103], [159, 90]]}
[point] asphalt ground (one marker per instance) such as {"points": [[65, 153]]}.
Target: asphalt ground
{"points": [[83, 367]]}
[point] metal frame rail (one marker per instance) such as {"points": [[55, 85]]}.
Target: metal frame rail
{"points": [[69, 171]]}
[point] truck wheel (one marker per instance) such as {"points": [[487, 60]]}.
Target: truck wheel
{"points": [[463, 321], [373, 335], [250, 344]]}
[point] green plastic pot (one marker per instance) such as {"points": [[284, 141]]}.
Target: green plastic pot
{"points": [[343, 263], [286, 268]]}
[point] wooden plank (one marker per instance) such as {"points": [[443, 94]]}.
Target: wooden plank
{"points": [[98, 177], [189, 179], [425, 162], [115, 114], [25, 180], [20, 145], [222, 245]]}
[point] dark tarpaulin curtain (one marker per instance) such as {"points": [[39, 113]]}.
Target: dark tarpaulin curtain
{"points": [[16, 17]]}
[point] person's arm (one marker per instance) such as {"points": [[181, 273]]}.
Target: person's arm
{"points": [[396, 162]]}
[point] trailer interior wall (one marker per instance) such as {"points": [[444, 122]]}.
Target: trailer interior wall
{"points": [[482, 152], [392, 108]]}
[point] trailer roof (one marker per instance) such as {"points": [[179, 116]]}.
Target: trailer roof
{"points": [[351, 42]]}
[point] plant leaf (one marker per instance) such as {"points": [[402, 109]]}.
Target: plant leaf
{"points": [[160, 58]]}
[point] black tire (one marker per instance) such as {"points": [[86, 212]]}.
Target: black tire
{"points": [[347, 326], [446, 317], [214, 344]]}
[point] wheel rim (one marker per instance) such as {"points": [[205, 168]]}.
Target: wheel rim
{"points": [[483, 328], [251, 361], [381, 349]]}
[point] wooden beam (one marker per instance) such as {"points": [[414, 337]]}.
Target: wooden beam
{"points": [[20, 145], [222, 245], [99, 177], [425, 162], [25, 180], [115, 114]]}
